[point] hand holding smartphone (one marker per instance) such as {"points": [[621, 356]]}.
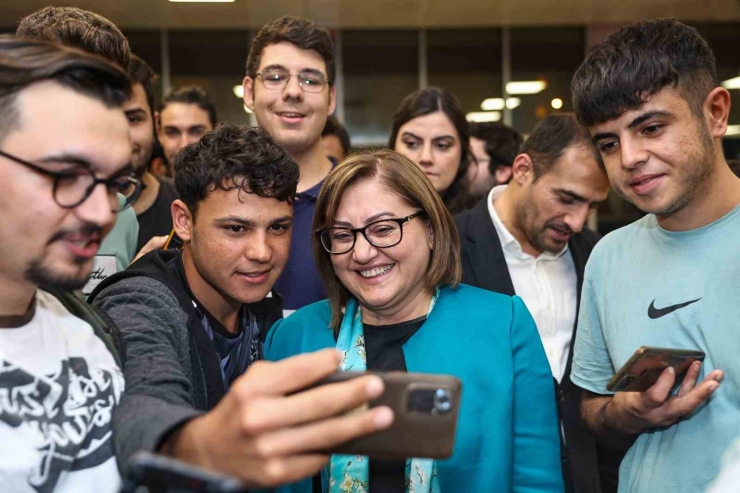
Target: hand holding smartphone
{"points": [[643, 369], [425, 409]]}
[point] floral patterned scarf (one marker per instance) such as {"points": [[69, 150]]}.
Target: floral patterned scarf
{"points": [[350, 473]]}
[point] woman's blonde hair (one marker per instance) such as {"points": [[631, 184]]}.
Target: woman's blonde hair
{"points": [[402, 177]]}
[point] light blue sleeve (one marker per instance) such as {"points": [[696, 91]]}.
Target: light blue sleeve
{"points": [[121, 240], [536, 464], [592, 366]]}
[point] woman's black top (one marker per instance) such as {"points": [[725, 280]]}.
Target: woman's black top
{"points": [[383, 346]]}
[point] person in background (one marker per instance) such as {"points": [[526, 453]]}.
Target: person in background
{"points": [[290, 87], [493, 147], [61, 166], [529, 238], [430, 129], [335, 139], [387, 249], [158, 166], [152, 206], [190, 334], [185, 115], [94, 34], [650, 98]]}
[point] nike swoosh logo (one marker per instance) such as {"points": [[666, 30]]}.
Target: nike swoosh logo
{"points": [[662, 312]]}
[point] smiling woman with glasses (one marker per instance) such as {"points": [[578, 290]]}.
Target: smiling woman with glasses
{"points": [[388, 252]]}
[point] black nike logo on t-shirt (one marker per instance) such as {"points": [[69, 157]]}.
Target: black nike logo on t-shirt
{"points": [[662, 312]]}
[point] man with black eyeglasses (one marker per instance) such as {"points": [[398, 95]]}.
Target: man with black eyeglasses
{"points": [[290, 87], [61, 166]]}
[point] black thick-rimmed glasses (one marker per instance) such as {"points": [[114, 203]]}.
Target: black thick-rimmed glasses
{"points": [[381, 234], [74, 185], [277, 80]]}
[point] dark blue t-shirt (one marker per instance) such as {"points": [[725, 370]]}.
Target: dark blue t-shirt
{"points": [[300, 284]]}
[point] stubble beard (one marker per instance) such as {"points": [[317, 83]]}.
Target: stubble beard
{"points": [[42, 275], [698, 171]]}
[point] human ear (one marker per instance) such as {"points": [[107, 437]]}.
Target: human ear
{"points": [[717, 110], [522, 169], [182, 220]]}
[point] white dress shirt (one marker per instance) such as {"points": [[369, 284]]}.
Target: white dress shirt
{"points": [[547, 284]]}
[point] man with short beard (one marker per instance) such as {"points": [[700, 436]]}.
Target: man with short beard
{"points": [[152, 206], [528, 238], [650, 98], [61, 166], [94, 34]]}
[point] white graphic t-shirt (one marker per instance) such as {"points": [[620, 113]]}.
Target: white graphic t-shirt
{"points": [[59, 385]]}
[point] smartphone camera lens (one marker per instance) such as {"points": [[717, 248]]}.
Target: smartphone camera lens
{"points": [[442, 402]]}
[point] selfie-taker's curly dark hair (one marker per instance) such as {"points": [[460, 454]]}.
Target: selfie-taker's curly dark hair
{"points": [[230, 157], [636, 62]]}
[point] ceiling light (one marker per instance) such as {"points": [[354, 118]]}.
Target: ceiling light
{"points": [[732, 130], [556, 103], [493, 104], [498, 104], [246, 109], [483, 116], [526, 87], [239, 91], [512, 103], [202, 1], [733, 83]]}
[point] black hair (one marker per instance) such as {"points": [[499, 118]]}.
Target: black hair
{"points": [[231, 157], [300, 32], [77, 28], [24, 62], [192, 95], [551, 137], [428, 101], [333, 127], [141, 73], [636, 62], [502, 142]]}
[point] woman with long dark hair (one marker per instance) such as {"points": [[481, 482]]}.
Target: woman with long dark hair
{"points": [[430, 129]]}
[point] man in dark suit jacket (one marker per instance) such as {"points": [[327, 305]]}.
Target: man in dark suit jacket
{"points": [[528, 238]]}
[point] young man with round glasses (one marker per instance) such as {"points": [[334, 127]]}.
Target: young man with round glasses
{"points": [[61, 167], [290, 87]]}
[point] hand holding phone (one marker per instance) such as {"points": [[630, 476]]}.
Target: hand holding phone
{"points": [[634, 412], [643, 369], [268, 432], [425, 409]]}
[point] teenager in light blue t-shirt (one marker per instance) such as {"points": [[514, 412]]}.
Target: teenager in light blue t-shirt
{"points": [[650, 99]]}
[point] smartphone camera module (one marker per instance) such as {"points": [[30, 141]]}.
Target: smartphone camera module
{"points": [[430, 401], [442, 402]]}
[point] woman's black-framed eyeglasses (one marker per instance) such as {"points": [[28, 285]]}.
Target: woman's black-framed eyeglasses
{"points": [[381, 234], [74, 185]]}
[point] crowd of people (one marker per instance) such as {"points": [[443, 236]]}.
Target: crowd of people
{"points": [[190, 306]]}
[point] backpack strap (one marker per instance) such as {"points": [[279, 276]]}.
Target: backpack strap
{"points": [[102, 325]]}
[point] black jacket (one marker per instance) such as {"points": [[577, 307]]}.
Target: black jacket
{"points": [[171, 368], [586, 467]]}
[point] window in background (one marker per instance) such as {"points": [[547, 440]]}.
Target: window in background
{"points": [[467, 62], [551, 54], [216, 61], [380, 69]]}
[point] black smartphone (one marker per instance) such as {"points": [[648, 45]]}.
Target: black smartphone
{"points": [[173, 241], [425, 409], [642, 370], [150, 473]]}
